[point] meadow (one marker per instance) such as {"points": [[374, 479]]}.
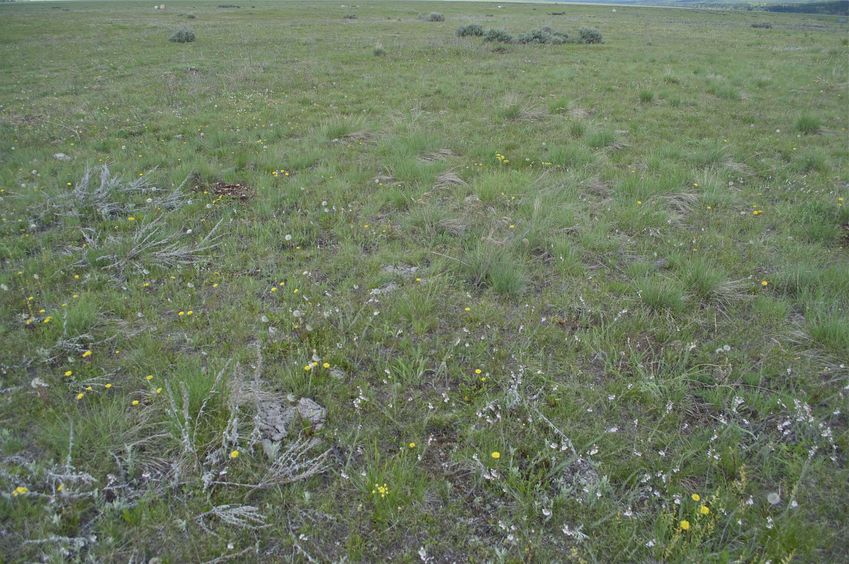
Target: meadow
{"points": [[331, 282]]}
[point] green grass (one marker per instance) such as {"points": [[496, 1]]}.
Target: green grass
{"points": [[357, 288], [808, 124]]}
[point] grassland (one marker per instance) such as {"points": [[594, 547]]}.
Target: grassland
{"points": [[352, 287]]}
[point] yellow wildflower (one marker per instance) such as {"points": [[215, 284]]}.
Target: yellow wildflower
{"points": [[234, 455], [495, 455], [685, 525]]}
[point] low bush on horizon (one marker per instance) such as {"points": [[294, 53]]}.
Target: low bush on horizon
{"points": [[182, 36]]}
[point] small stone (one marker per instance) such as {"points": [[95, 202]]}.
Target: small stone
{"points": [[312, 412], [391, 287], [402, 270]]}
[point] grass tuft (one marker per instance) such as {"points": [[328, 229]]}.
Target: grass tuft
{"points": [[661, 294], [493, 266], [808, 124]]}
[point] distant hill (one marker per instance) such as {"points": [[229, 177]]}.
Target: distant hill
{"points": [[838, 7], [835, 7]]}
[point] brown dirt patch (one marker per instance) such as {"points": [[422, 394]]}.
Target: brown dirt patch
{"points": [[238, 191]]}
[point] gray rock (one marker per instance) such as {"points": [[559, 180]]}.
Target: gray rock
{"points": [[391, 287], [400, 270], [312, 412], [275, 420]]}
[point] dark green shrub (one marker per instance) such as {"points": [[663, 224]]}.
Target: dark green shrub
{"points": [[762, 25], [435, 17], [544, 36], [182, 36], [498, 35], [472, 30], [589, 35]]}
